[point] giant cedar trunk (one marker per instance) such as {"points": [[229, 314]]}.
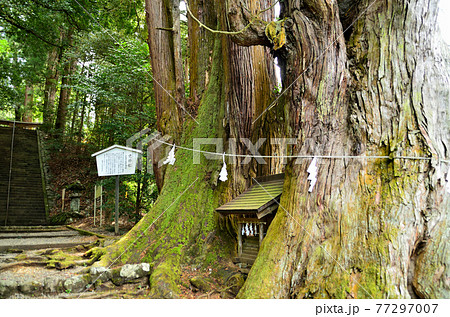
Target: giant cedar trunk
{"points": [[370, 228], [183, 226], [162, 42], [64, 97]]}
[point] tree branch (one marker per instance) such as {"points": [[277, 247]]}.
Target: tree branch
{"points": [[21, 27], [218, 31], [61, 10], [253, 33]]}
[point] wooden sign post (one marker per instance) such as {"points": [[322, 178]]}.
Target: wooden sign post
{"points": [[98, 193], [115, 161]]}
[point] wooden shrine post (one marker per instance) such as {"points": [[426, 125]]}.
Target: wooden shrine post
{"points": [[239, 237], [261, 233]]}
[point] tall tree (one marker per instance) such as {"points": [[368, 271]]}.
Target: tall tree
{"points": [[51, 86], [188, 222], [371, 228], [66, 89]]}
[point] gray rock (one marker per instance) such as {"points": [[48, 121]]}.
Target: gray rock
{"points": [[202, 283], [31, 287], [53, 285], [100, 273], [75, 284], [7, 288], [134, 271]]}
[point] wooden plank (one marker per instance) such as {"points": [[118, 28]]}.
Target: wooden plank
{"points": [[268, 178], [248, 220], [247, 204], [267, 211], [252, 200], [239, 239], [256, 200], [258, 197], [269, 193]]}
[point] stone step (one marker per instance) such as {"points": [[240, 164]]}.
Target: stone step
{"points": [[32, 228], [26, 205], [246, 260], [38, 234]]}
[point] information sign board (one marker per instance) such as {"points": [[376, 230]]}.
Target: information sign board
{"points": [[116, 160]]}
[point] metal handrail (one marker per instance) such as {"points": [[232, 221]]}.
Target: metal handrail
{"points": [[20, 124], [10, 172]]}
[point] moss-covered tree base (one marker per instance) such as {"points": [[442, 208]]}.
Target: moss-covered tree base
{"points": [[182, 227]]}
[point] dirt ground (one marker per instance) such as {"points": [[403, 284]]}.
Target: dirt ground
{"points": [[31, 266]]}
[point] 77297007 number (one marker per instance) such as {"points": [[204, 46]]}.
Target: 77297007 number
{"points": [[406, 308]]}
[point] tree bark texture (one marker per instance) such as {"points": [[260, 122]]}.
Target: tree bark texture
{"points": [[28, 104], [370, 228], [164, 53], [50, 87], [183, 226], [65, 90], [201, 44], [160, 41], [251, 81]]}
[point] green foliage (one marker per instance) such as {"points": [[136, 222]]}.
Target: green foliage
{"points": [[13, 67], [129, 206], [116, 78], [29, 30], [4, 47]]}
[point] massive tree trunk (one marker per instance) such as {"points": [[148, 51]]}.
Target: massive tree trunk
{"points": [[183, 227], [374, 228], [371, 228], [167, 83]]}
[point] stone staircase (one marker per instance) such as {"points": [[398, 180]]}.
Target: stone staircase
{"points": [[250, 248], [26, 198]]}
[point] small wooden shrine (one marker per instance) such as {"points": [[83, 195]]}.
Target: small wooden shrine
{"points": [[255, 209]]}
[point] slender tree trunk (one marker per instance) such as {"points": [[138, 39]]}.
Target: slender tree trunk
{"points": [[81, 124], [65, 91], [27, 115], [75, 114], [50, 87], [137, 210]]}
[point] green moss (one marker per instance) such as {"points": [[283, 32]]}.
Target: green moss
{"points": [[20, 257], [184, 213], [61, 260], [276, 33], [163, 281]]}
